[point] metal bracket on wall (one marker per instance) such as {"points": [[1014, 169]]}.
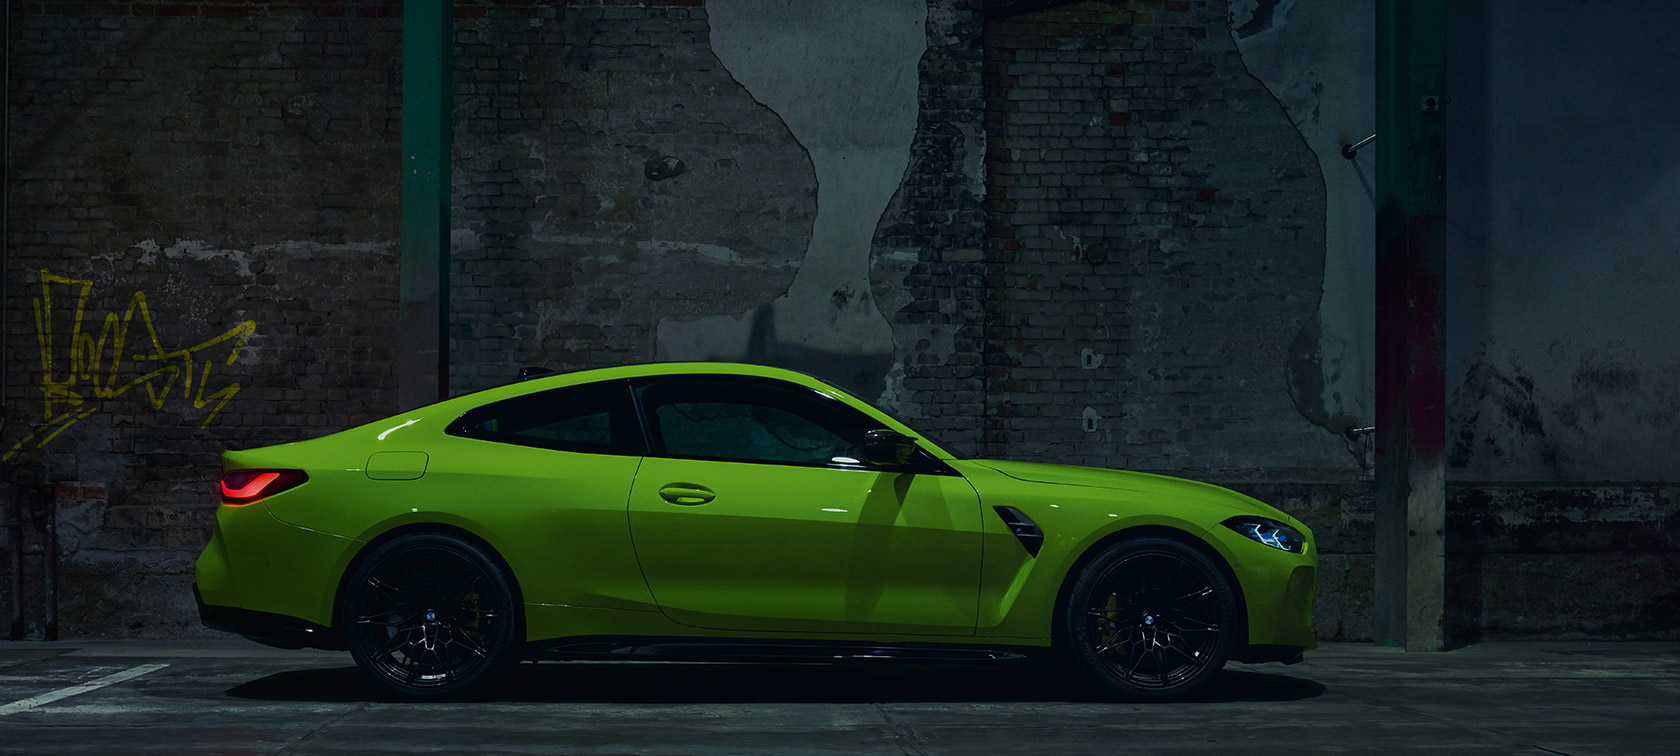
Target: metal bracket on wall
{"points": [[1349, 151], [1361, 444]]}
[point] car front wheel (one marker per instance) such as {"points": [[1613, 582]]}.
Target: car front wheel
{"points": [[430, 616], [1150, 618]]}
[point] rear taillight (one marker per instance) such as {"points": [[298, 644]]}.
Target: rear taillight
{"points": [[246, 486]]}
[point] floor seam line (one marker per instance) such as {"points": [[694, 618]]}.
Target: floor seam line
{"points": [[310, 735], [902, 734]]}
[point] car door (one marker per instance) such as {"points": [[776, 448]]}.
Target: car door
{"points": [[756, 511], [550, 471]]}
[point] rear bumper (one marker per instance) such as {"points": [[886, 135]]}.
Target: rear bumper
{"points": [[277, 630]]}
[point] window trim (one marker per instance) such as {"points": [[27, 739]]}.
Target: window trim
{"points": [[923, 462], [634, 446]]}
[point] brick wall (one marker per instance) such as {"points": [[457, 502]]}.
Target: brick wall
{"points": [[927, 266], [1154, 244], [202, 256], [609, 173], [1104, 250]]}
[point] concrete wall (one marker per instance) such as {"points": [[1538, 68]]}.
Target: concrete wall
{"points": [[1563, 370], [1562, 384], [1562, 256], [1108, 233]]}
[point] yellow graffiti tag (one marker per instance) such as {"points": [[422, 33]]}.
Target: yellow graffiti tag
{"points": [[97, 364]]}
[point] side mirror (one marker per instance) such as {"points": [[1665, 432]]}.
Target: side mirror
{"points": [[885, 447]]}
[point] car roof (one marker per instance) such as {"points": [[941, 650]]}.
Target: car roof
{"points": [[548, 381], [655, 369]]}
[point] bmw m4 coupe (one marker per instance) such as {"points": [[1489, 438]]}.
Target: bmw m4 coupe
{"points": [[733, 512]]}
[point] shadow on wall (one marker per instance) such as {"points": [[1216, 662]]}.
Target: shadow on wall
{"points": [[862, 374]]}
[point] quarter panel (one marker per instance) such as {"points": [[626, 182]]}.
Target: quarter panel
{"points": [[557, 518], [259, 563]]}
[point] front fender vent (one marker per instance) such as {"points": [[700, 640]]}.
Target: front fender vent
{"points": [[1025, 530]]}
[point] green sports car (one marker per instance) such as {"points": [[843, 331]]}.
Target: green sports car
{"points": [[732, 512]]}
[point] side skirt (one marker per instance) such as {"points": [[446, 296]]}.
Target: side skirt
{"points": [[645, 648]]}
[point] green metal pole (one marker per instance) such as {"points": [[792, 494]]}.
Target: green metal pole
{"points": [[427, 131], [1411, 318]]}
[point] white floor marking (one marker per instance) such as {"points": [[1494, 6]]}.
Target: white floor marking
{"points": [[49, 697]]}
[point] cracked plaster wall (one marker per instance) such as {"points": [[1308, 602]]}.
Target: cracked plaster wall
{"points": [[1561, 185], [611, 174], [1318, 58], [1563, 375], [843, 77]]}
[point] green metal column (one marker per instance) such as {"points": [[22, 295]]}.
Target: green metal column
{"points": [[427, 131], [1411, 319]]}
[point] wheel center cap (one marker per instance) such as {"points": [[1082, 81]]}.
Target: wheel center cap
{"points": [[1148, 619], [431, 616]]}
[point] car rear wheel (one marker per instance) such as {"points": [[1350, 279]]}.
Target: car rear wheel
{"points": [[1150, 618], [430, 616]]}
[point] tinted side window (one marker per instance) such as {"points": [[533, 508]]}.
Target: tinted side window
{"points": [[595, 418], [753, 422]]}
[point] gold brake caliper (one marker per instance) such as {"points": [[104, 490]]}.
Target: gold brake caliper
{"points": [[1106, 626], [472, 602]]}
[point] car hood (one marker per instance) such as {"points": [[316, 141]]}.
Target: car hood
{"points": [[1126, 480]]}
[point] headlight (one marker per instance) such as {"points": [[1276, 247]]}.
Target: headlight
{"points": [[1270, 532]]}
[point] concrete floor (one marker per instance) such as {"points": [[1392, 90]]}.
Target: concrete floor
{"points": [[235, 697]]}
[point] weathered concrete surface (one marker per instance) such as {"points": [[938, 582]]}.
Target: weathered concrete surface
{"points": [[844, 79], [612, 174], [235, 697], [1564, 203], [1317, 58]]}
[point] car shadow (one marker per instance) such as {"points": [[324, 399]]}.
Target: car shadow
{"points": [[726, 683]]}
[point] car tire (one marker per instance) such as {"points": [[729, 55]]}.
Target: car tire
{"points": [[429, 616], [1150, 618]]}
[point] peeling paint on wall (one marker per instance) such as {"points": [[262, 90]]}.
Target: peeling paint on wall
{"points": [[844, 79], [631, 180], [1251, 17], [1317, 59]]}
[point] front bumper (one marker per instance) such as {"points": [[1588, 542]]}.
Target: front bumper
{"points": [[267, 628]]}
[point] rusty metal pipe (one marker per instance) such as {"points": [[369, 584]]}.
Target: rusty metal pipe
{"points": [[49, 556], [14, 531]]}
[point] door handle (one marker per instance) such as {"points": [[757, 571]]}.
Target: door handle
{"points": [[686, 494]]}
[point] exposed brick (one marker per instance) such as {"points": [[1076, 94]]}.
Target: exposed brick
{"points": [[238, 166]]}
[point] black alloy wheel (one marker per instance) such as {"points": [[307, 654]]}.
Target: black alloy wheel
{"points": [[1150, 618], [429, 616]]}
